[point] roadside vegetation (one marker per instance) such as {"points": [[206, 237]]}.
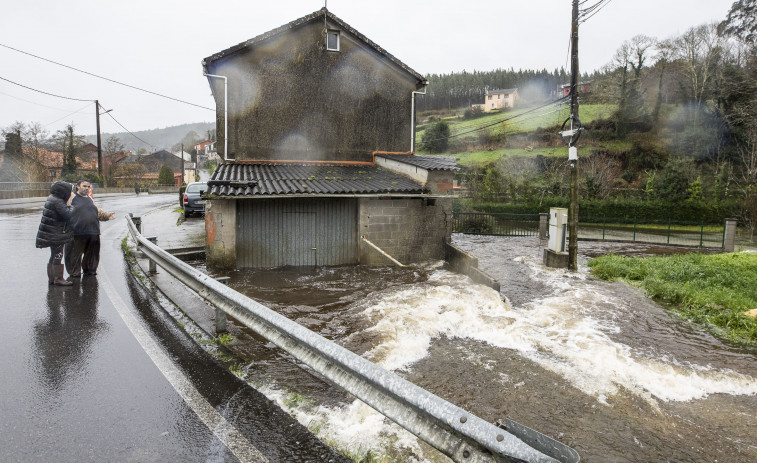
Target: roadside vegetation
{"points": [[715, 291]]}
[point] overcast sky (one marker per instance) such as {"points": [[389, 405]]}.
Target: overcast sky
{"points": [[158, 45]]}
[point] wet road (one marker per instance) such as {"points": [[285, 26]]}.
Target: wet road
{"points": [[98, 372]]}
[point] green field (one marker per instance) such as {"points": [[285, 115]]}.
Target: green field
{"points": [[527, 123], [712, 290]]}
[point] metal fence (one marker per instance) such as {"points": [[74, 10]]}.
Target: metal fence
{"points": [[457, 433], [667, 231], [680, 233], [475, 223]]}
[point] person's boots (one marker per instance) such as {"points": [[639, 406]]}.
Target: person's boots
{"points": [[58, 276], [50, 278]]}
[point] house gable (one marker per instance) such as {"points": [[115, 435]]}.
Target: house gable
{"points": [[292, 99]]}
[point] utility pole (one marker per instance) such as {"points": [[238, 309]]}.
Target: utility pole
{"points": [[99, 142], [572, 150], [181, 153]]}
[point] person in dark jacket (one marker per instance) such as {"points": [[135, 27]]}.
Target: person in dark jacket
{"points": [[54, 230], [83, 252]]}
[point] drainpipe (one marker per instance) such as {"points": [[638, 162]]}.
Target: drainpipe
{"points": [[225, 113], [412, 116]]}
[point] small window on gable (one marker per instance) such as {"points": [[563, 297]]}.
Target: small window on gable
{"points": [[332, 40]]}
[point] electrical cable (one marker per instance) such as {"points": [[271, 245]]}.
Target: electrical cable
{"points": [[130, 132], [40, 91], [104, 78], [70, 114], [603, 4], [33, 102]]}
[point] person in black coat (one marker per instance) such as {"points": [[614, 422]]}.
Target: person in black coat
{"points": [[54, 231], [83, 252]]}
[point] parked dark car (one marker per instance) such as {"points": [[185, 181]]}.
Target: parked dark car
{"points": [[191, 200]]}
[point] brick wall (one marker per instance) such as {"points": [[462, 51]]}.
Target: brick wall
{"points": [[410, 230]]}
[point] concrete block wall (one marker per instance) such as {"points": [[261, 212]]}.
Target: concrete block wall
{"points": [[221, 233], [410, 230]]}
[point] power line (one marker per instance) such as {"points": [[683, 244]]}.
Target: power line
{"points": [[70, 114], [40, 91], [34, 102], [105, 78], [130, 132], [592, 10]]}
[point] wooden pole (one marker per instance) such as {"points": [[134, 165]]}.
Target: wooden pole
{"points": [[573, 209], [99, 142]]}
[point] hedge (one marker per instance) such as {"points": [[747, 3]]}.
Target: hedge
{"points": [[647, 211]]}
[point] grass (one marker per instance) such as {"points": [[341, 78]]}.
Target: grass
{"points": [[527, 122], [524, 124], [714, 291], [471, 158]]}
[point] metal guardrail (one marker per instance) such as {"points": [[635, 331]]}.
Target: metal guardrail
{"points": [[23, 186], [455, 432]]}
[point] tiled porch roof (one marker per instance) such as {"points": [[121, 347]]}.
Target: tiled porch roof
{"points": [[270, 179]]}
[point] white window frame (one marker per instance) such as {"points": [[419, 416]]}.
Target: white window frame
{"points": [[338, 39]]}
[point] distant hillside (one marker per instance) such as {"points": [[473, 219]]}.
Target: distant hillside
{"points": [[157, 139]]}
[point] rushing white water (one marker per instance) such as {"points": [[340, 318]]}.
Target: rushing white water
{"points": [[558, 332]]}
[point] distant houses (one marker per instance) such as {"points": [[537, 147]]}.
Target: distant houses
{"points": [[583, 87], [143, 170], [499, 99]]}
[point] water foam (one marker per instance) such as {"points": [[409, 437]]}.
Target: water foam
{"points": [[557, 332]]}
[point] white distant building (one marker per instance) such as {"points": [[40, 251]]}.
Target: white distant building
{"points": [[499, 99], [183, 154]]}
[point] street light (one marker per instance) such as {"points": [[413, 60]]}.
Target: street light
{"points": [[225, 114]]}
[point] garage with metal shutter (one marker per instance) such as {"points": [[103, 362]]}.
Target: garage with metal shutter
{"points": [[297, 232]]}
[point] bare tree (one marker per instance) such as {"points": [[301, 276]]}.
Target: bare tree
{"points": [[700, 51], [600, 172]]}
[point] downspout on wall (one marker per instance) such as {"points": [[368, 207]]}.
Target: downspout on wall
{"points": [[412, 115], [225, 107]]}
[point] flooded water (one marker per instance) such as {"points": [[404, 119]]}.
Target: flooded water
{"points": [[591, 363]]}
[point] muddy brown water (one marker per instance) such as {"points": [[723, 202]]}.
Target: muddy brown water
{"points": [[593, 364]]}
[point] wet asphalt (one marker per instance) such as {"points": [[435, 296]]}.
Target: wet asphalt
{"points": [[99, 372]]}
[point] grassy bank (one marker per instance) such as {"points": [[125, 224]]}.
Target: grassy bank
{"points": [[712, 290]]}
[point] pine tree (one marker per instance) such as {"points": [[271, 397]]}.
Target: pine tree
{"points": [[69, 152], [165, 177]]}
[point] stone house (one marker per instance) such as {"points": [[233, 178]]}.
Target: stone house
{"points": [[319, 138]]}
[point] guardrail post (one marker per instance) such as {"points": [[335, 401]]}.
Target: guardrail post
{"points": [[153, 265], [729, 235], [701, 234], [634, 229], [220, 314], [137, 223]]}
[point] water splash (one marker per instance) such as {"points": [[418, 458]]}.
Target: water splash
{"points": [[558, 332]]}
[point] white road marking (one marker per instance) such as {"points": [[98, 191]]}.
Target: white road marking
{"points": [[223, 430]]}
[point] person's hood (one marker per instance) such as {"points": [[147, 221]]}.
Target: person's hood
{"points": [[61, 190]]}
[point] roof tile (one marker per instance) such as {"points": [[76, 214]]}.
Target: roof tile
{"points": [[255, 179]]}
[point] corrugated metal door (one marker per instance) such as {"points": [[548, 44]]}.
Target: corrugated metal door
{"points": [[300, 232]]}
